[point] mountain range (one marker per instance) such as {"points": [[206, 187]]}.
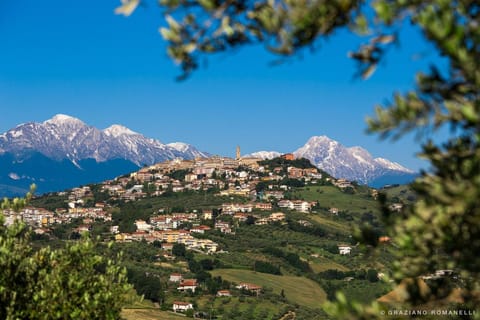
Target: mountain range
{"points": [[64, 152], [354, 163]]}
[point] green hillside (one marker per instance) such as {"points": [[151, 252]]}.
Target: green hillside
{"points": [[331, 196], [298, 290]]}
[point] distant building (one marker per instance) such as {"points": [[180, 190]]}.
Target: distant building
{"points": [[142, 225], [224, 293], [207, 214], [344, 249], [250, 287], [180, 306], [288, 156], [200, 229], [175, 277], [333, 210], [188, 284], [237, 157]]}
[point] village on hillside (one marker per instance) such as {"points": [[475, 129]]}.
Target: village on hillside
{"points": [[255, 192]]}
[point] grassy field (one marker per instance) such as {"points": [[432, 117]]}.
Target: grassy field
{"points": [[297, 289], [342, 227], [150, 314], [403, 193], [362, 290], [255, 307], [330, 196], [321, 264]]}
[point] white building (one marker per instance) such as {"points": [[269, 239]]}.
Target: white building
{"points": [[142, 225], [180, 306], [344, 249]]}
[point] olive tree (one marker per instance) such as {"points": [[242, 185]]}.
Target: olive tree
{"points": [[69, 283]]}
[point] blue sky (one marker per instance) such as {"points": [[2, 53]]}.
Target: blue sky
{"points": [[78, 58]]}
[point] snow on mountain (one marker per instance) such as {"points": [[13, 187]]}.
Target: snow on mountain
{"points": [[66, 137], [187, 150], [117, 130], [263, 155], [392, 165], [355, 163]]}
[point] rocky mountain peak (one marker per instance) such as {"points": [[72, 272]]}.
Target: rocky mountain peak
{"points": [[117, 130], [66, 137], [63, 119], [354, 163]]}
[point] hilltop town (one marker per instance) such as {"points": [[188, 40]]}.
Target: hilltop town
{"points": [[209, 212]]}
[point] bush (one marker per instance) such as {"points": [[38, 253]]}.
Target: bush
{"points": [[72, 282]]}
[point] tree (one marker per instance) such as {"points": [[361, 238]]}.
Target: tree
{"points": [[441, 230], [72, 282], [179, 250]]}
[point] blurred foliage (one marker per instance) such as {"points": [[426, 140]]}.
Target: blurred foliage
{"points": [[195, 28], [441, 230], [73, 282]]}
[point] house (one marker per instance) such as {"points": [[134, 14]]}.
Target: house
{"points": [[188, 284], [312, 172], [123, 237], [344, 249], [190, 177], [242, 217], [207, 214], [114, 229], [285, 204], [138, 235], [333, 210], [343, 183], [142, 225], [224, 227], [250, 287], [263, 206], [302, 206], [277, 216], [180, 306], [261, 222], [274, 194], [294, 173], [176, 277], [224, 293], [200, 229], [305, 223], [288, 156]]}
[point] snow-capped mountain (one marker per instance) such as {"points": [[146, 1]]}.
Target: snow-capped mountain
{"points": [[63, 152], [65, 137], [187, 151], [355, 163], [263, 155]]}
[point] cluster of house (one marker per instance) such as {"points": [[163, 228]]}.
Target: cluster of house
{"points": [[171, 236], [342, 183], [232, 177], [40, 219], [202, 173], [298, 205], [274, 217], [185, 285]]}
